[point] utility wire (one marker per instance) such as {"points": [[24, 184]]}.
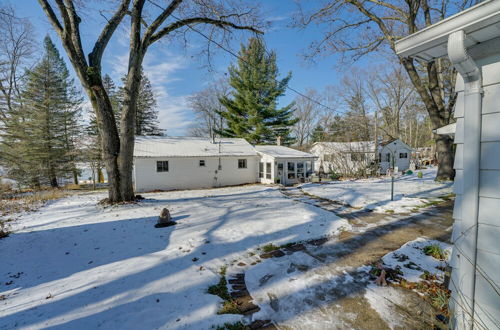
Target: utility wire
{"points": [[229, 51]]}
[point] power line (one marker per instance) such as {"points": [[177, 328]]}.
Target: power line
{"points": [[229, 51]]}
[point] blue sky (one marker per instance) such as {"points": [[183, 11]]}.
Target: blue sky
{"points": [[176, 73]]}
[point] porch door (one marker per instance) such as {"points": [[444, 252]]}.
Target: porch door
{"points": [[281, 173]]}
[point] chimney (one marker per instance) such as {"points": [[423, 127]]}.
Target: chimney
{"points": [[278, 140]]}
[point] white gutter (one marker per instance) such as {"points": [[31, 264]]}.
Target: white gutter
{"points": [[471, 74], [431, 42]]}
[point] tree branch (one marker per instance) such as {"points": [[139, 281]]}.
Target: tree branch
{"points": [[106, 33], [51, 15], [160, 19], [195, 20]]}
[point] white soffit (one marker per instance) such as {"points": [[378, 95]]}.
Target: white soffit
{"points": [[480, 23]]}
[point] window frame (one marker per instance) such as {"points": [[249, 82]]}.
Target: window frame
{"points": [[405, 155], [244, 160], [261, 170], [269, 168], [160, 166], [200, 163]]}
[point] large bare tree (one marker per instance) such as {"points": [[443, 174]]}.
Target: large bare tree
{"points": [[17, 47], [307, 111], [355, 28], [207, 107], [149, 23]]}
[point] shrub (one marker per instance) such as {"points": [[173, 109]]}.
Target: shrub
{"points": [[435, 251]]}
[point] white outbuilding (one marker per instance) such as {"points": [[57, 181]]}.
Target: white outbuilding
{"points": [[167, 163], [471, 41], [355, 158], [287, 166]]}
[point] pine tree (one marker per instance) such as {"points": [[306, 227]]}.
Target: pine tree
{"points": [[41, 134], [146, 118], [251, 109]]}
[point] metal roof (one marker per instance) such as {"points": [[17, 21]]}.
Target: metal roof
{"points": [[480, 24], [282, 152], [183, 146]]}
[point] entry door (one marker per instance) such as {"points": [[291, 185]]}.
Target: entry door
{"points": [[281, 173]]}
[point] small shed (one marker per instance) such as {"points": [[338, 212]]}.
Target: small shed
{"points": [[471, 41], [167, 163], [394, 151], [279, 164], [354, 158]]}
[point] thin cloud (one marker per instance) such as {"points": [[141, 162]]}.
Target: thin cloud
{"points": [[162, 69]]}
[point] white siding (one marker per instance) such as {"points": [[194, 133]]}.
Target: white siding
{"points": [[185, 173], [487, 301]]}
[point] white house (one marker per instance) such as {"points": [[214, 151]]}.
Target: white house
{"points": [[394, 152], [352, 158], [471, 41], [166, 163], [284, 165]]}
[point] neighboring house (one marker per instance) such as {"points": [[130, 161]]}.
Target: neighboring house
{"points": [[396, 153], [471, 41], [284, 165], [166, 163], [355, 158]]}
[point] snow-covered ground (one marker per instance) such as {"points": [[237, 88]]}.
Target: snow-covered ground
{"points": [[75, 265], [375, 194]]}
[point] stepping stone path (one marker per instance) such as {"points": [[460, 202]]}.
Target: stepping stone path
{"points": [[239, 292]]}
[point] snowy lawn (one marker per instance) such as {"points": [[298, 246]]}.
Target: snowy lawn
{"points": [[74, 264], [375, 194]]}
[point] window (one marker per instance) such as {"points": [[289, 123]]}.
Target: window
{"points": [[300, 170], [242, 163], [388, 158], [261, 170], [162, 166], [268, 170], [403, 155], [291, 170], [357, 157], [202, 163]]}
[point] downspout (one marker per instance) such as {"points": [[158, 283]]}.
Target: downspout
{"points": [[471, 74]]}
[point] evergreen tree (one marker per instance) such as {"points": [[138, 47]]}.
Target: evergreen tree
{"points": [[318, 134], [146, 118], [41, 134], [251, 109]]}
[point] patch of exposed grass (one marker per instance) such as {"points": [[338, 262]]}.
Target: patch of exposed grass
{"points": [[389, 211], [30, 201], [229, 307], [447, 197], [287, 245], [233, 326], [220, 289], [269, 247], [435, 251]]}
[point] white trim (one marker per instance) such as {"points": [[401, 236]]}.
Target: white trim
{"points": [[431, 42]]}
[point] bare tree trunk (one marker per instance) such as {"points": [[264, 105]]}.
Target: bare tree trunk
{"points": [[444, 148]]}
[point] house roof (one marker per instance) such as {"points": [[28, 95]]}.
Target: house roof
{"points": [[480, 24], [446, 130], [282, 152], [182, 146], [359, 146]]}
